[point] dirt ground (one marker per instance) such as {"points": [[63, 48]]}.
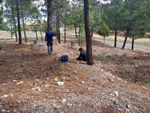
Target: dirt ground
{"points": [[34, 82]]}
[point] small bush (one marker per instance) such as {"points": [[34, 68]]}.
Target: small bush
{"points": [[54, 33]]}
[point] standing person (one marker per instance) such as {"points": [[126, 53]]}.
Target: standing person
{"points": [[82, 55], [49, 41]]}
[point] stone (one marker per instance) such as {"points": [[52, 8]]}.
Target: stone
{"points": [[111, 80], [14, 81], [5, 96], [119, 110], [75, 72], [64, 100], [68, 104], [128, 106], [116, 93], [3, 110], [21, 82], [55, 106], [41, 109], [56, 79], [82, 82], [115, 102], [53, 66], [127, 110], [67, 79], [60, 83]]}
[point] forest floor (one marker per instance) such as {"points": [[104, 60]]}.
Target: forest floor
{"points": [[34, 82]]}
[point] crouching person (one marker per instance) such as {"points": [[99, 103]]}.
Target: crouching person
{"points": [[82, 56]]}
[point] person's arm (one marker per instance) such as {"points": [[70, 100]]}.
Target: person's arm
{"points": [[80, 56]]}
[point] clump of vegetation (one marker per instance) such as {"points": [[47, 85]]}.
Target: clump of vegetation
{"points": [[104, 31]]}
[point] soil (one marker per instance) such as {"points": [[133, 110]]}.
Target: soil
{"points": [[33, 81]]}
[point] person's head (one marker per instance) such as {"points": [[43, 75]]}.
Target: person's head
{"points": [[49, 29], [80, 49]]}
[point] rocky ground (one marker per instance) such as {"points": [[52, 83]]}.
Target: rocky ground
{"points": [[34, 82]]}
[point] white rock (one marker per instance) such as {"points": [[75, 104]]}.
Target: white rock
{"points": [[75, 72], [5, 96], [116, 93], [60, 83], [64, 100], [14, 81], [82, 82], [128, 106], [56, 79], [3, 110], [21, 82], [69, 104]]}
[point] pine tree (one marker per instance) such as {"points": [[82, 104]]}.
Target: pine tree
{"points": [[135, 19], [104, 30], [1, 15], [87, 32]]}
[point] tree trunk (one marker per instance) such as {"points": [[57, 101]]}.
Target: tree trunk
{"points": [[65, 30], [87, 32], [75, 30], [36, 33], [104, 39], [125, 38], [49, 13], [18, 17], [132, 43], [14, 23], [116, 19], [24, 29], [79, 40], [115, 43], [11, 33], [57, 26], [91, 32], [41, 33]]}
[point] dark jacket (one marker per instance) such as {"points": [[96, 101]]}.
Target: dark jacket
{"points": [[49, 36], [82, 55]]}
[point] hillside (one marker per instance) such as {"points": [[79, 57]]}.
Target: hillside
{"points": [[33, 81]]}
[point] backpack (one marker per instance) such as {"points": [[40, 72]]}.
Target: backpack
{"points": [[64, 58]]}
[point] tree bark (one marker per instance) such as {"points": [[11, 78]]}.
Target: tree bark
{"points": [[65, 30], [14, 23], [79, 40], [87, 32], [41, 33], [125, 38], [11, 33], [132, 44], [36, 33], [75, 30], [24, 29], [116, 19], [115, 43], [57, 26], [18, 17], [104, 39], [91, 32], [49, 13]]}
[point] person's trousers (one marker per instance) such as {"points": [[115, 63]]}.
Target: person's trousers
{"points": [[50, 47]]}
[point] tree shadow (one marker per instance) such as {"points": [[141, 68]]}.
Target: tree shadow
{"points": [[135, 69]]}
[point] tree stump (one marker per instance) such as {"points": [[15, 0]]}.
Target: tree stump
{"points": [[35, 42], [72, 43]]}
